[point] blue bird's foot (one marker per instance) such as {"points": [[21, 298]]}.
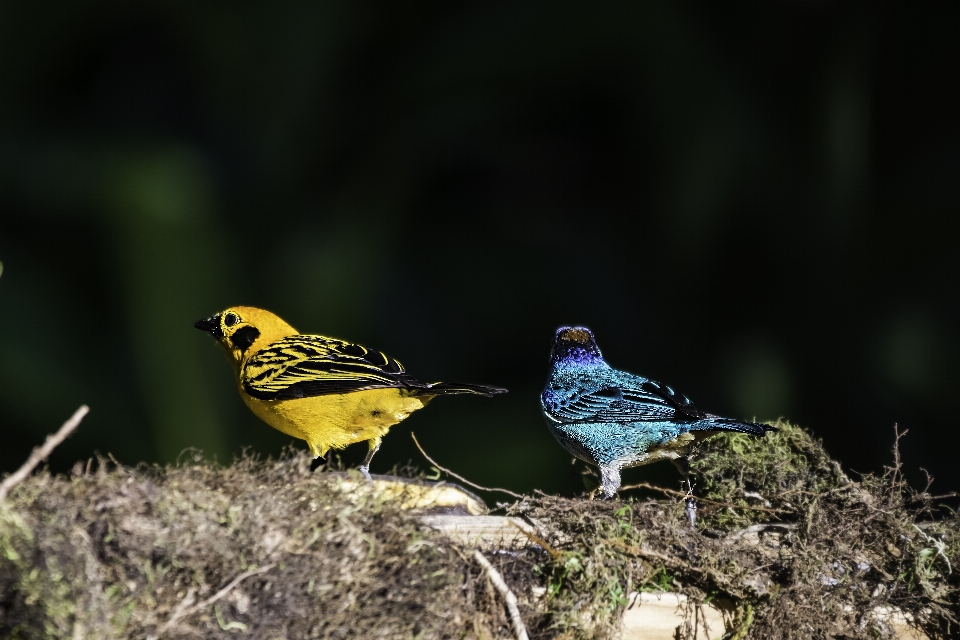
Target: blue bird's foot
{"points": [[692, 511], [683, 465], [610, 481]]}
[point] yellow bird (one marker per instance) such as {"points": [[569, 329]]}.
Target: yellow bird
{"points": [[326, 391]]}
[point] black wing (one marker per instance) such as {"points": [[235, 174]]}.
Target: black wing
{"points": [[302, 366], [631, 400]]}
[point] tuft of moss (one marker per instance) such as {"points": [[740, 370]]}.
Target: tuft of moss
{"points": [[784, 470], [118, 552], [786, 544]]}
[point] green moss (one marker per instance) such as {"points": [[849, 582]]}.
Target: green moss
{"points": [[786, 544], [785, 470], [116, 552]]}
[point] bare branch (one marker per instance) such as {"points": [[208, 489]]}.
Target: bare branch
{"points": [[897, 464], [896, 475], [684, 494], [40, 453], [508, 595], [929, 480], [459, 477], [538, 540], [643, 553]]}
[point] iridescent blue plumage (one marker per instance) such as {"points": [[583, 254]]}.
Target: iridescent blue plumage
{"points": [[614, 419]]}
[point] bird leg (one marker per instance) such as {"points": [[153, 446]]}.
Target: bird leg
{"points": [[610, 478], [683, 465], [365, 467]]}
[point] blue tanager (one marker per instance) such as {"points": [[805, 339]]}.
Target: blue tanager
{"points": [[614, 419]]}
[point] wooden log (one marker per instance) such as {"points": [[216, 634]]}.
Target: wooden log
{"points": [[484, 532], [657, 616]]}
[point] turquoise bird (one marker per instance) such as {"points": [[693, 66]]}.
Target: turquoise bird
{"points": [[614, 419]]}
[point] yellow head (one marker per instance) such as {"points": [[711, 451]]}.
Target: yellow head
{"points": [[242, 331]]}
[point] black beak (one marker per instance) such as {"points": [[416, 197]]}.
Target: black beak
{"points": [[210, 325]]}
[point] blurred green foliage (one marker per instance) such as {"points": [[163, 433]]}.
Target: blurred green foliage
{"points": [[756, 204]]}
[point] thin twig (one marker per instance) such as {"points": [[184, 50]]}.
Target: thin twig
{"points": [[896, 454], [538, 540], [40, 453], [924, 498], [504, 590], [811, 510], [182, 612], [459, 477], [683, 494], [643, 553], [896, 476]]}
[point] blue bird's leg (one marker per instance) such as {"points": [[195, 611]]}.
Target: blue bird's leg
{"points": [[683, 464], [365, 467], [610, 477]]}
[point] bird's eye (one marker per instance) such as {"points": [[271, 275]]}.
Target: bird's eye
{"points": [[230, 319]]}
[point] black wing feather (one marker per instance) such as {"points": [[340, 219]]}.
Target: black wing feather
{"points": [[304, 366], [637, 401]]}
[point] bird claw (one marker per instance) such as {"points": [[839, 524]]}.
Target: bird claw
{"points": [[365, 470], [315, 463], [610, 481], [692, 512]]}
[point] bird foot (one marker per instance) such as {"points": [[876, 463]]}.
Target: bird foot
{"points": [[315, 463], [692, 512], [365, 470], [610, 482]]}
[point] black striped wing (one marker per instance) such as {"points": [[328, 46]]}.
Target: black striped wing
{"points": [[303, 366], [630, 400]]}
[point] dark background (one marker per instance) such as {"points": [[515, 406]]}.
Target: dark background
{"points": [[755, 203]]}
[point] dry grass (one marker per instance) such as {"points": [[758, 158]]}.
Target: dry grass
{"points": [[115, 552], [118, 552]]}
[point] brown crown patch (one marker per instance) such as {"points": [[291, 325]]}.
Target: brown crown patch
{"points": [[576, 335]]}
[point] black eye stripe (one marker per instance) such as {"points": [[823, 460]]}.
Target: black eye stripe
{"points": [[244, 337]]}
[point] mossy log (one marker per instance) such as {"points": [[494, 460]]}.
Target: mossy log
{"points": [[787, 546]]}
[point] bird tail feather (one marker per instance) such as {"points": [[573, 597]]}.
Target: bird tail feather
{"points": [[451, 388], [716, 423]]}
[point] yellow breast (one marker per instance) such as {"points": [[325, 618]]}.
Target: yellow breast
{"points": [[335, 421]]}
